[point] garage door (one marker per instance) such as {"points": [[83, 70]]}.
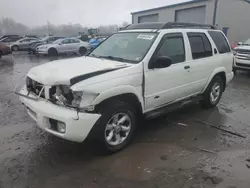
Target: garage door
{"points": [[194, 15], [148, 18]]}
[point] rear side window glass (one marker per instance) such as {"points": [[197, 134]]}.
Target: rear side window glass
{"points": [[173, 47], [200, 45], [220, 41]]}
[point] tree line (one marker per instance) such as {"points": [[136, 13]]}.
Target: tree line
{"points": [[10, 26]]}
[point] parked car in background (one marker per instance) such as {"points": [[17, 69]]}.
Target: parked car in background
{"points": [[9, 39], [242, 56], [22, 44], [4, 50], [10, 36], [94, 42], [45, 40], [138, 72], [31, 36], [65, 45]]}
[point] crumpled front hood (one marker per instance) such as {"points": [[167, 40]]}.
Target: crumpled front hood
{"points": [[61, 71]]}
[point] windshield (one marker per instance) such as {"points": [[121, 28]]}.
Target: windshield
{"points": [[130, 47], [247, 42]]}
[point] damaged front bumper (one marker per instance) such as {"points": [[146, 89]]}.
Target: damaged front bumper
{"points": [[49, 116]]}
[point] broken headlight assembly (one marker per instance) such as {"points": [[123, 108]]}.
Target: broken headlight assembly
{"points": [[63, 95]]}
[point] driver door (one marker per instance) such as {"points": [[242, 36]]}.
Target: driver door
{"points": [[167, 85], [64, 46]]}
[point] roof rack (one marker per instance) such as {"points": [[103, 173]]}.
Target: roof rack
{"points": [[168, 25]]}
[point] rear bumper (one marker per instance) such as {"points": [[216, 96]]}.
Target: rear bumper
{"points": [[7, 52], [78, 125]]}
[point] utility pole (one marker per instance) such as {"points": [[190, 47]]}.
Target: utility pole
{"points": [[215, 11]]}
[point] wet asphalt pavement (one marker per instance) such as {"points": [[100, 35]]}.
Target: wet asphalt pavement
{"points": [[175, 151]]}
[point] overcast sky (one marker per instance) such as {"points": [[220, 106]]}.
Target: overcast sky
{"points": [[85, 12]]}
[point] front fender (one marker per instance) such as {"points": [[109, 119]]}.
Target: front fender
{"points": [[216, 71], [125, 89]]}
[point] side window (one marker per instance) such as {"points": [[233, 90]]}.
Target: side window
{"points": [[66, 41], [74, 41], [8, 40], [172, 47], [200, 45], [220, 41]]}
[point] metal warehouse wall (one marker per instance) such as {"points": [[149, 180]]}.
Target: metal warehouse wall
{"points": [[168, 14], [234, 14]]}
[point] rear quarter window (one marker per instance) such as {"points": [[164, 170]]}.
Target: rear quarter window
{"points": [[220, 41]]}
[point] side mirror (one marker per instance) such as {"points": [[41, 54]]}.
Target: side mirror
{"points": [[160, 62], [60, 43], [240, 43]]}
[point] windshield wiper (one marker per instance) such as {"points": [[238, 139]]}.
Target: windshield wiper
{"points": [[93, 55], [113, 58]]}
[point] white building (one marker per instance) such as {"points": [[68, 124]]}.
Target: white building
{"points": [[231, 16]]}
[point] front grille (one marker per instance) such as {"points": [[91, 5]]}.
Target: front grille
{"points": [[242, 51], [35, 87], [243, 65]]}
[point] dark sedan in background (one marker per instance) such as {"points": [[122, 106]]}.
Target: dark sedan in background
{"points": [[4, 50]]}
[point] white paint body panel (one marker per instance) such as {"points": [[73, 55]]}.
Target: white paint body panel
{"points": [[152, 87], [76, 130]]}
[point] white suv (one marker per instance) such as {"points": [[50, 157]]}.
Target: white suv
{"points": [[242, 56], [143, 70]]}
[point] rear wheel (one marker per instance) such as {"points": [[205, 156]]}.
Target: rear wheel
{"points": [[52, 52], [116, 127], [82, 50], [15, 48], [213, 93]]}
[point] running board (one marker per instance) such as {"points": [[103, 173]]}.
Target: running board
{"points": [[169, 108]]}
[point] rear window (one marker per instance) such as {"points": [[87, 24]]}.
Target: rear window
{"points": [[220, 41], [200, 45]]}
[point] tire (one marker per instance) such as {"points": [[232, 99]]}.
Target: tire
{"points": [[106, 129], [234, 70], [213, 93], [82, 50], [15, 48], [52, 52], [0, 54]]}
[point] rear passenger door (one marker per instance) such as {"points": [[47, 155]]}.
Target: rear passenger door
{"points": [[224, 54], [202, 61]]}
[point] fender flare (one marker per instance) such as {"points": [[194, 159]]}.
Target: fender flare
{"points": [[216, 71], [125, 89]]}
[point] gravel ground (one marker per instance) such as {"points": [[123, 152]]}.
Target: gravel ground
{"points": [[175, 151]]}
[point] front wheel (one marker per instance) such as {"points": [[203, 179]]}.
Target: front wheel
{"points": [[15, 48], [116, 127], [213, 93], [82, 50], [52, 52]]}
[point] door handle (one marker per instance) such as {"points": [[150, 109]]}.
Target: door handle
{"points": [[187, 67]]}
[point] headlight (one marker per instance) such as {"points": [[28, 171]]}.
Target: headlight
{"points": [[234, 52], [63, 95]]}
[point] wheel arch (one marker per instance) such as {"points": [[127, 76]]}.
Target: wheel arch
{"points": [[127, 94], [220, 71]]}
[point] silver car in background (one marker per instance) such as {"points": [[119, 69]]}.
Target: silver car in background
{"points": [[22, 44], [64, 46]]}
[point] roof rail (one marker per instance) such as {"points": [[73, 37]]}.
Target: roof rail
{"points": [[170, 25]]}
